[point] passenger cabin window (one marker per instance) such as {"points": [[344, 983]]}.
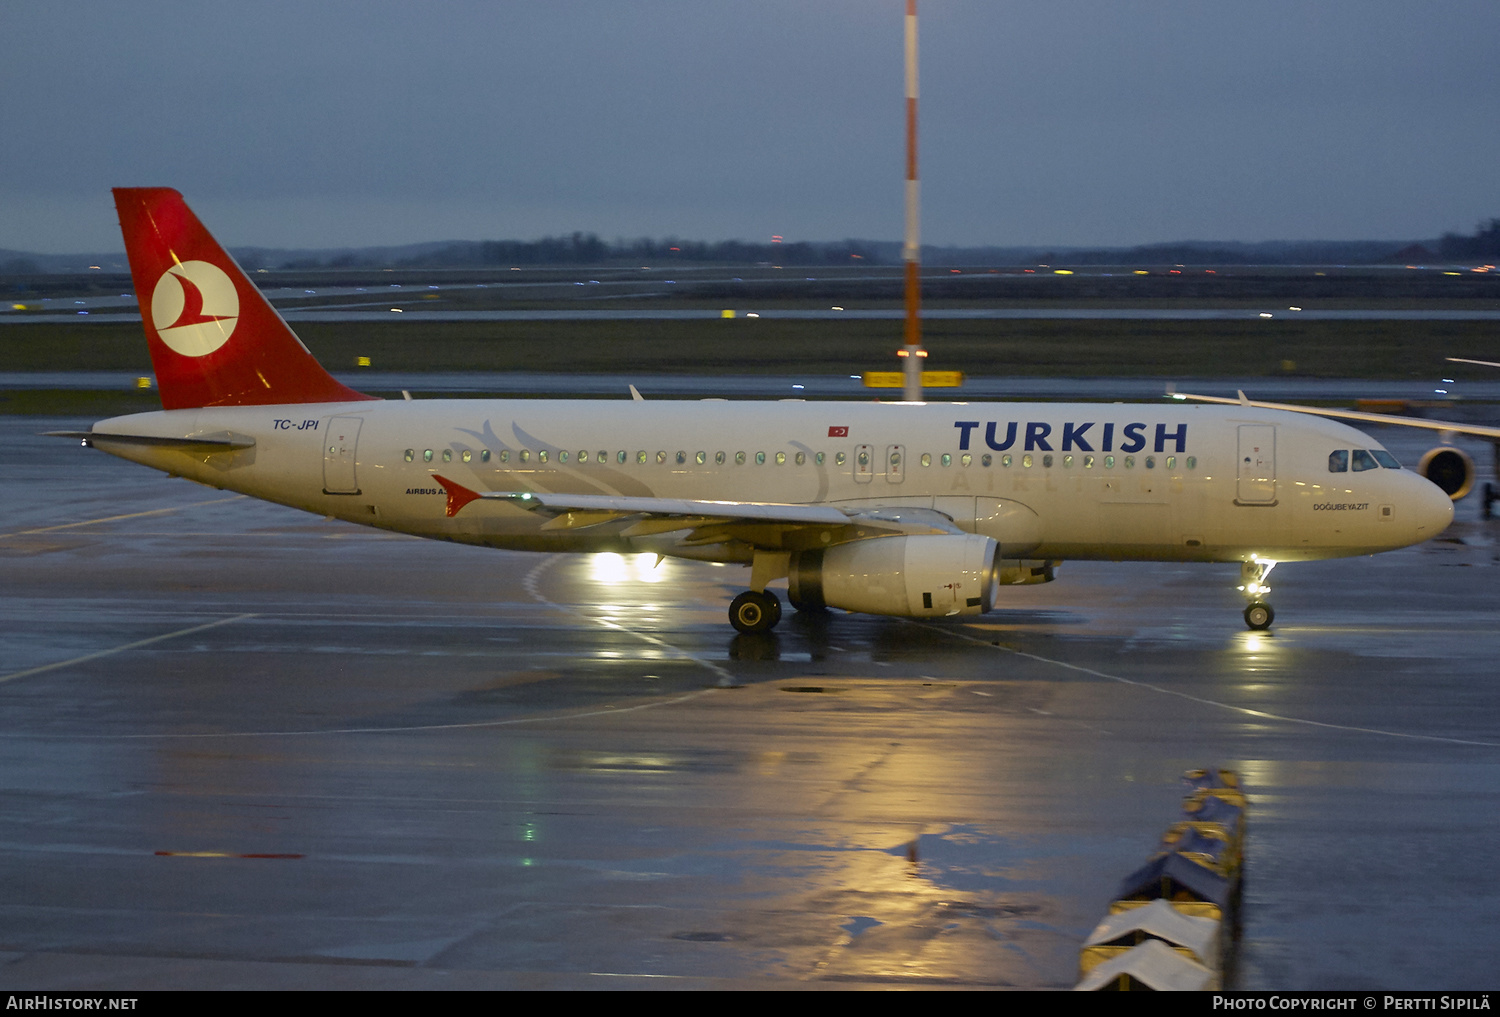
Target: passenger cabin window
{"points": [[1338, 461], [1364, 461]]}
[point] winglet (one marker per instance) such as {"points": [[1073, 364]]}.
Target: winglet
{"points": [[636, 395], [1243, 401], [458, 495]]}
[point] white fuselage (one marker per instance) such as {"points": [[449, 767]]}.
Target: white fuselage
{"points": [[1046, 481]]}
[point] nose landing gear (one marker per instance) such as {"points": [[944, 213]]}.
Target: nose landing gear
{"points": [[1258, 611]]}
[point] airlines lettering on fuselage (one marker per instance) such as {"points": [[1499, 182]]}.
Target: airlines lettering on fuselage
{"points": [[1037, 436]]}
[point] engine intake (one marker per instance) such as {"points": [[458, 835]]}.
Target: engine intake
{"points": [[925, 576], [1450, 469]]}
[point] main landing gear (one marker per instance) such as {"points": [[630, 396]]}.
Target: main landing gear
{"points": [[1258, 611], [755, 611]]}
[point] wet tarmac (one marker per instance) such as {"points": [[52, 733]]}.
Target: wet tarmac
{"points": [[247, 747]]}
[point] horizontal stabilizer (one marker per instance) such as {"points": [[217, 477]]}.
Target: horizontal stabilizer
{"points": [[190, 444]]}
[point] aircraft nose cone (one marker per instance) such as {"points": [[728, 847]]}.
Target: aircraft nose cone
{"points": [[1433, 510]]}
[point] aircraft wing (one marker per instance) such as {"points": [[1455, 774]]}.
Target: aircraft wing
{"points": [[1475, 430], [658, 515]]}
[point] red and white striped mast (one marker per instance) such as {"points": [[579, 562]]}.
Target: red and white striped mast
{"points": [[912, 354]]}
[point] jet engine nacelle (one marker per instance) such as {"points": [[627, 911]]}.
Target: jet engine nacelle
{"points": [[924, 576], [1450, 469]]}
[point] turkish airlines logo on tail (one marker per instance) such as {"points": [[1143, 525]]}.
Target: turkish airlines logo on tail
{"points": [[194, 308]]}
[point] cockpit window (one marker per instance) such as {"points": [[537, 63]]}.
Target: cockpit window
{"points": [[1338, 462], [1385, 459], [1364, 461]]}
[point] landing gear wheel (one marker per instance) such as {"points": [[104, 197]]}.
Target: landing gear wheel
{"points": [[754, 612], [1258, 615]]}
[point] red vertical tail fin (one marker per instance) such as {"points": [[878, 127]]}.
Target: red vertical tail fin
{"points": [[214, 339]]}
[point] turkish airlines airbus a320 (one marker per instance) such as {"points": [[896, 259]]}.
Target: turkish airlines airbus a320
{"points": [[908, 509]]}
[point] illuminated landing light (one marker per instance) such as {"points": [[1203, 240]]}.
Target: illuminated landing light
{"points": [[608, 567], [612, 569]]}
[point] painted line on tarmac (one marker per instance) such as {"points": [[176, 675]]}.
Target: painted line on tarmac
{"points": [[530, 583], [115, 519], [122, 648], [1245, 710], [534, 577]]}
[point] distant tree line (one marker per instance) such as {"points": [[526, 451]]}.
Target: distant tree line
{"points": [[1484, 245], [588, 249]]}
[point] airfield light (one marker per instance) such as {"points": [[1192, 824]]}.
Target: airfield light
{"points": [[1062, 271], [1265, 314]]}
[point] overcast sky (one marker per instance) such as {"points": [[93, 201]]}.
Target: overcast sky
{"points": [[1068, 122]]}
